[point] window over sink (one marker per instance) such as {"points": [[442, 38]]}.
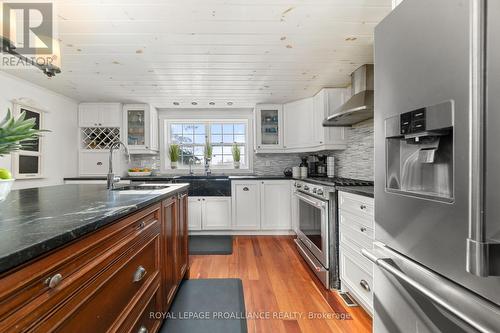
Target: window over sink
{"points": [[193, 135]]}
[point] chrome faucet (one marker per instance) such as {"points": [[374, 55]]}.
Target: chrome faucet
{"points": [[112, 179]]}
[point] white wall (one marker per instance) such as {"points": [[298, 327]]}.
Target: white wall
{"points": [[60, 145]]}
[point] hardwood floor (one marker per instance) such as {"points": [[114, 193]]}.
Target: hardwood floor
{"points": [[281, 293]]}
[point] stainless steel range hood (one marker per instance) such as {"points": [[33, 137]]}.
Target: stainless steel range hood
{"points": [[360, 106]]}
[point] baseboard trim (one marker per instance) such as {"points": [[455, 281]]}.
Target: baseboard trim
{"points": [[243, 232]]}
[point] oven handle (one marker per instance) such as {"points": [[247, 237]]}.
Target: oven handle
{"points": [[315, 202], [316, 268]]}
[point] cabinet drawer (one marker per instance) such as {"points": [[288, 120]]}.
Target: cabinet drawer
{"points": [[357, 277], [25, 296], [357, 204], [354, 240], [104, 304], [145, 320], [354, 232]]}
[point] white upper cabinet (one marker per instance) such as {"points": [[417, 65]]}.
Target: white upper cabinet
{"points": [[298, 126], [140, 127], [99, 114], [298, 120], [325, 102], [268, 127]]}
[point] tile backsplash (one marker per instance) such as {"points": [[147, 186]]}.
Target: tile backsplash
{"points": [[354, 162], [357, 161]]}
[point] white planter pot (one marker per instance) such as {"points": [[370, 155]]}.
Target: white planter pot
{"points": [[5, 187], [236, 165], [173, 165]]}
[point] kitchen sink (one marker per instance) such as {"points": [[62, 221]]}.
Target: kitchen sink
{"points": [[141, 188]]}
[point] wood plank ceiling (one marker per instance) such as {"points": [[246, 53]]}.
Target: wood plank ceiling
{"points": [[220, 51]]}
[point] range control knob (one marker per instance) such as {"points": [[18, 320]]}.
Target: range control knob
{"points": [[306, 188], [314, 190], [298, 185], [320, 192]]}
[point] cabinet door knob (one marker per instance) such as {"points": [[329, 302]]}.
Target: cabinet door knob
{"points": [[141, 226], [147, 147], [364, 285], [143, 329], [363, 229], [99, 163], [53, 281], [246, 189], [362, 207], [139, 274]]}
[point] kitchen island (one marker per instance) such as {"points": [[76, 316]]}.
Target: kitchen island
{"points": [[81, 258]]}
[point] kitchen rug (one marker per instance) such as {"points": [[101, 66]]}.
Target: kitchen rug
{"points": [[210, 245], [207, 306]]}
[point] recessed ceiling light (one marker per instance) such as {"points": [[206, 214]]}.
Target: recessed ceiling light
{"points": [[229, 103], [176, 103], [212, 103], [194, 103]]}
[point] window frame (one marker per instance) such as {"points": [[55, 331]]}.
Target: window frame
{"points": [[18, 108], [246, 166]]}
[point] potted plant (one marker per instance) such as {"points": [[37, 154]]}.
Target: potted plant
{"points": [[174, 153], [208, 151], [236, 151], [13, 136]]}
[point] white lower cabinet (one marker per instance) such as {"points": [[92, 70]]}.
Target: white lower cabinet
{"points": [[276, 205], [209, 213], [261, 205], [356, 232], [194, 215], [246, 205]]}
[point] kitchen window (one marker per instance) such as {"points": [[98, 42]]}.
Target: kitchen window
{"points": [[192, 137]]}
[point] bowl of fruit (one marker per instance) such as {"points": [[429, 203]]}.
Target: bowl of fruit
{"points": [[6, 182], [139, 172]]}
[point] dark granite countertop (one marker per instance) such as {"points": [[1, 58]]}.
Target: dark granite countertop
{"points": [[171, 177], [367, 191], [35, 221]]}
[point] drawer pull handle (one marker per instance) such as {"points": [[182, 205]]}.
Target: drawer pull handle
{"points": [[99, 163], [362, 207], [364, 285], [139, 274], [143, 329], [141, 226], [363, 229], [246, 189], [53, 281]]}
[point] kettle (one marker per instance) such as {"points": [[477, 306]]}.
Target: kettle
{"points": [[288, 172]]}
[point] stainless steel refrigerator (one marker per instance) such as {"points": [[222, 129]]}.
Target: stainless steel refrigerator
{"points": [[437, 168]]}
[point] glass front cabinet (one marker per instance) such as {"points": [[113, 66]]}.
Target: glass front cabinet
{"points": [[141, 128], [269, 127]]}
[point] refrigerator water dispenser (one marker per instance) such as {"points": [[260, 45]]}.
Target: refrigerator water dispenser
{"points": [[419, 150]]}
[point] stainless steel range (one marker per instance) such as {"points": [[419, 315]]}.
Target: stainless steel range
{"points": [[317, 229]]}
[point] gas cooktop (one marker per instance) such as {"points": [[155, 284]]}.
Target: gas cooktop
{"points": [[339, 181]]}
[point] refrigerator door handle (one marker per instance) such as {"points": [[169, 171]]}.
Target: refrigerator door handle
{"points": [[483, 256], [463, 304]]}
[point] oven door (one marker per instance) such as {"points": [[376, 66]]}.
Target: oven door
{"points": [[313, 225]]}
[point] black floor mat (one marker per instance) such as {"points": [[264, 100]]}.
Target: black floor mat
{"points": [[207, 306], [210, 245]]}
